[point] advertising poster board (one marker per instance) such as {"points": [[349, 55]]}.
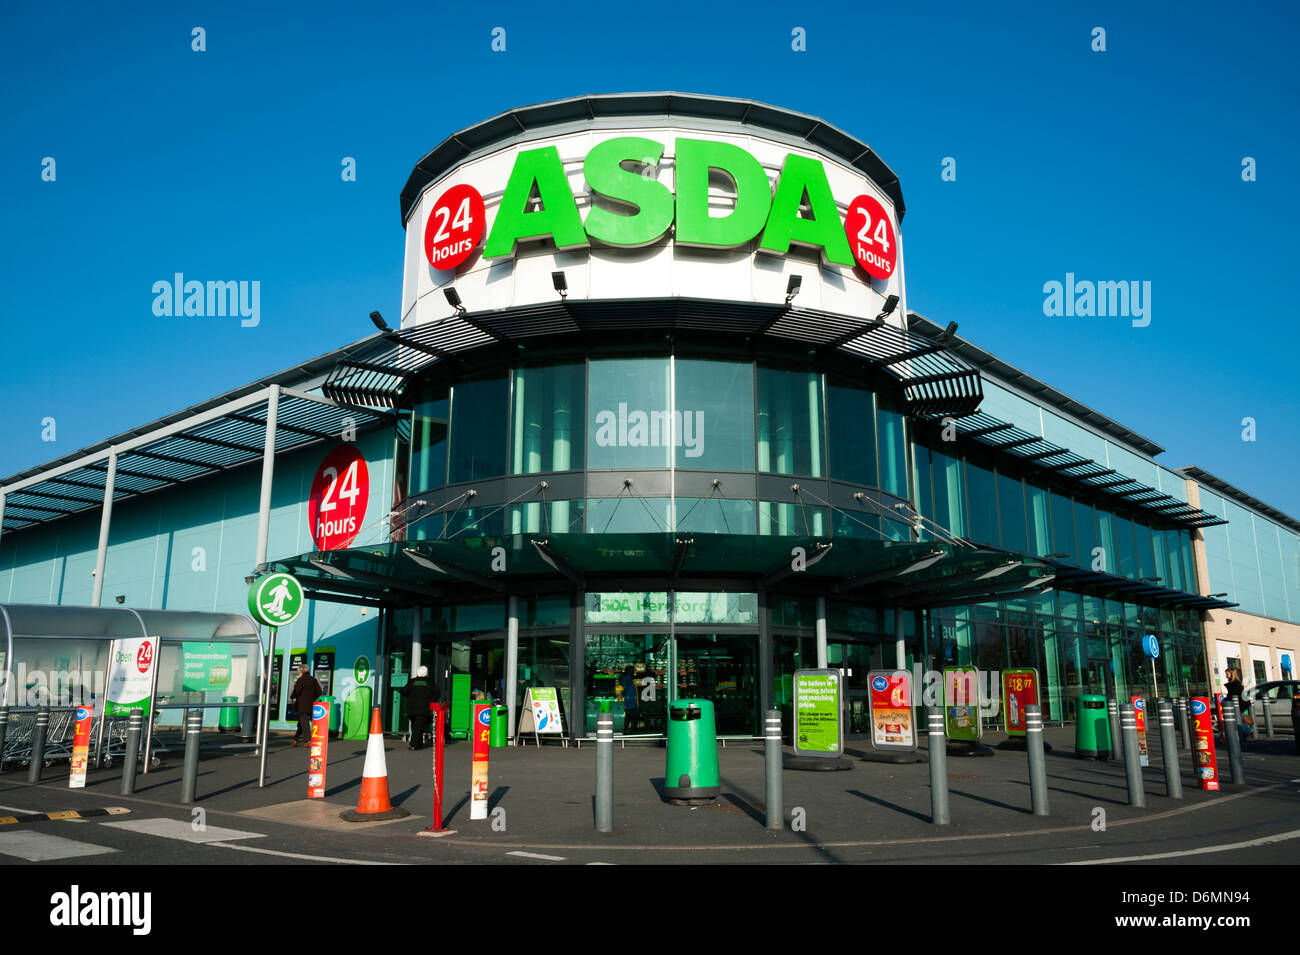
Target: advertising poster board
{"points": [[890, 699], [277, 677], [318, 750], [80, 748], [1019, 689], [478, 777], [322, 668], [1140, 714], [1207, 771], [541, 711], [961, 704], [204, 667], [130, 676], [818, 727]]}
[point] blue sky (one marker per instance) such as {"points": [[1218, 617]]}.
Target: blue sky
{"points": [[1116, 165]]}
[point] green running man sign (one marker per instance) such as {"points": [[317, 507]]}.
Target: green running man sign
{"points": [[276, 599]]}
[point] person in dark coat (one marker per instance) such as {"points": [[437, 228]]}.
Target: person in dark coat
{"points": [[419, 693], [306, 691]]}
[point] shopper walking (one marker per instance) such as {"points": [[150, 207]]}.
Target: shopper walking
{"points": [[419, 693], [306, 691]]}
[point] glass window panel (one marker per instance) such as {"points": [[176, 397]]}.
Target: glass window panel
{"points": [[981, 497], [921, 481], [550, 517], [852, 433], [1038, 513], [1063, 541], [1085, 529], [715, 515], [488, 521], [716, 402], [548, 407], [1011, 512], [1106, 541], [629, 421], [1125, 554], [1176, 580], [797, 520], [949, 493], [893, 447], [627, 515], [616, 666], [1145, 556], [789, 422], [478, 429], [429, 441]]}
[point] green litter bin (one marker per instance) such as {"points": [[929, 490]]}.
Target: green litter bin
{"points": [[334, 712], [356, 714], [229, 722], [691, 767], [1092, 729], [499, 728]]}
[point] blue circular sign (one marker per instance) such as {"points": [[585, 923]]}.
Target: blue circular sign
{"points": [[1151, 646], [485, 716], [880, 684], [1140, 704], [318, 711], [1198, 707], [82, 713]]}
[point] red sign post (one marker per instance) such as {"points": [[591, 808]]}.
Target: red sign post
{"points": [[80, 747], [340, 491], [318, 751], [1019, 689], [1207, 772]]}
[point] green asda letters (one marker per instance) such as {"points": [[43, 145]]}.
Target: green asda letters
{"points": [[652, 208]]}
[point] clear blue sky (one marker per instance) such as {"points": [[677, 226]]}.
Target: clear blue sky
{"points": [[225, 165]]}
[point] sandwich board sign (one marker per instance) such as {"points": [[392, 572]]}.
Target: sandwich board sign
{"points": [[541, 712], [961, 704], [818, 729], [891, 710]]}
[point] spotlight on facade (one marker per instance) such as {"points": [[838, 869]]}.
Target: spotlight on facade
{"points": [[891, 303], [453, 298], [1057, 556], [561, 283], [120, 598], [1224, 594], [379, 322], [249, 580], [948, 332], [792, 288]]}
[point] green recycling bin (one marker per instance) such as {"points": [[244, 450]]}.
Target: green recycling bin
{"points": [[1092, 729], [691, 767], [356, 714], [334, 712], [499, 727], [229, 716]]}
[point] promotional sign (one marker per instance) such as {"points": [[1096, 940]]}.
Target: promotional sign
{"points": [[871, 237], [80, 748], [275, 599], [318, 750], [277, 677], [205, 667], [322, 668], [1019, 689], [818, 729], [541, 711], [130, 676], [890, 700], [336, 508], [478, 779], [961, 703], [1207, 774], [455, 227], [1140, 713]]}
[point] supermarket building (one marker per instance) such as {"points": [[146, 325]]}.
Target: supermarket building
{"points": [[657, 407]]}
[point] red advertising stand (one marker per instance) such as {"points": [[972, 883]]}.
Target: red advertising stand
{"points": [[439, 711], [318, 750], [1019, 689], [1140, 714], [1207, 772], [80, 747], [478, 784]]}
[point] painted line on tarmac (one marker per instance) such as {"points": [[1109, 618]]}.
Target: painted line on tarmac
{"points": [[850, 844], [299, 855], [1262, 841], [534, 855]]}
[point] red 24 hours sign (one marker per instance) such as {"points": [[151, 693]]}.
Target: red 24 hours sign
{"points": [[339, 494], [871, 237], [455, 227]]}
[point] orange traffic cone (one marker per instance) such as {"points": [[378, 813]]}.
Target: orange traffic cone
{"points": [[373, 804]]}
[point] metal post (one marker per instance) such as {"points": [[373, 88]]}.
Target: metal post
{"points": [[1231, 717], [1268, 719], [1037, 759], [190, 775], [134, 723], [821, 633], [1116, 741], [937, 746], [605, 772], [1185, 722], [103, 717], [900, 640], [38, 745], [1169, 751], [4, 730], [775, 806], [105, 521], [512, 665], [417, 645], [268, 472], [439, 734], [577, 664], [265, 721], [1132, 767]]}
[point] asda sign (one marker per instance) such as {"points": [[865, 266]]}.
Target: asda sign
{"points": [[631, 209]]}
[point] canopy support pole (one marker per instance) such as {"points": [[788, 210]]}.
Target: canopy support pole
{"points": [[105, 522]]}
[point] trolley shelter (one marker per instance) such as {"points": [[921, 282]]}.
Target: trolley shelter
{"points": [[165, 662]]}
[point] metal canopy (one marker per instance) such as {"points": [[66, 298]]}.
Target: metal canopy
{"points": [[215, 440], [1109, 585], [1033, 450], [934, 382], [1202, 476]]}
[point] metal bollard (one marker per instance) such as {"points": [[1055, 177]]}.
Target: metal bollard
{"points": [[4, 730], [1231, 737], [1116, 741], [1168, 750], [1037, 761], [134, 725], [1184, 723], [38, 745], [190, 775], [605, 772], [1268, 722], [938, 753], [773, 764], [1132, 767]]}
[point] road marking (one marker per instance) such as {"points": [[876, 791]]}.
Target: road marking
{"points": [[299, 855], [34, 846], [600, 863], [1262, 841], [183, 830], [536, 855]]}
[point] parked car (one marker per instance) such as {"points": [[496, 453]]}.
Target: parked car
{"points": [[1278, 694]]}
